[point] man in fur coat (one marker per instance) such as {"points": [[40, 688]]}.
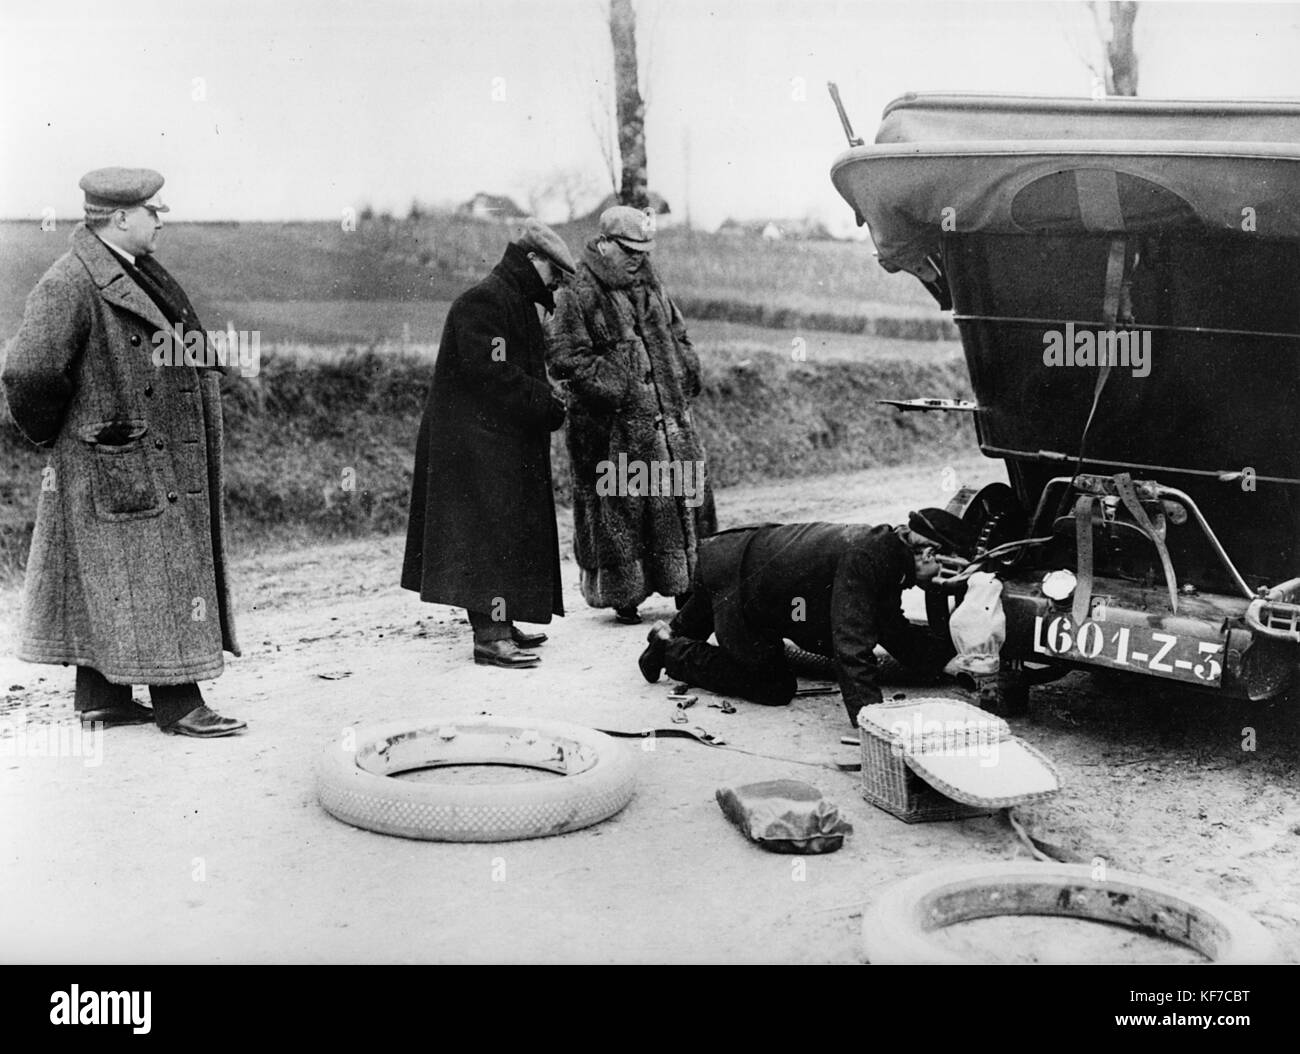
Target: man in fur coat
{"points": [[126, 578], [641, 496]]}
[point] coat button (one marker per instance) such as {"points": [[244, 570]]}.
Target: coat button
{"points": [[135, 338], [172, 496], [148, 389]]}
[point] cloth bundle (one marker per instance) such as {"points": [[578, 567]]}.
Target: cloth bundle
{"points": [[978, 627], [785, 816]]}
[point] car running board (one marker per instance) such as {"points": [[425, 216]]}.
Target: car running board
{"points": [[945, 405]]}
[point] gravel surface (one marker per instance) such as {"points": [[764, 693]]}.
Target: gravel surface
{"points": [[164, 849]]}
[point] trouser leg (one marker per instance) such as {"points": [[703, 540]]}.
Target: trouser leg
{"points": [[487, 629], [766, 681], [171, 702], [94, 691]]}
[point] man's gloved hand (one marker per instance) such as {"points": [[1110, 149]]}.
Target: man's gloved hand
{"points": [[555, 414]]}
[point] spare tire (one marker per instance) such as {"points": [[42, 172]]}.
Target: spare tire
{"points": [[897, 928], [354, 781]]}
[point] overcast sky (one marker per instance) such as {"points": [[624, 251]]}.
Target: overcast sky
{"points": [[296, 109]]}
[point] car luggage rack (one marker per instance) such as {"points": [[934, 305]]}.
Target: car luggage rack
{"points": [[1271, 619], [1275, 614], [1147, 490]]}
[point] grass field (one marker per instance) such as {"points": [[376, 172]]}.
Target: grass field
{"points": [[314, 328], [795, 340], [317, 283]]}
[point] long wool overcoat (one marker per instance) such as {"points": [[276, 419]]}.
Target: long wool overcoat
{"points": [[482, 533], [127, 570], [619, 344]]}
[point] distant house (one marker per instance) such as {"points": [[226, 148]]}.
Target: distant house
{"points": [[663, 214], [491, 207], [776, 230]]}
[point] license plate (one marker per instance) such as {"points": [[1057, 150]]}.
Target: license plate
{"points": [[1178, 656]]}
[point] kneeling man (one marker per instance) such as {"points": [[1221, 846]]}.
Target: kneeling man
{"points": [[832, 588]]}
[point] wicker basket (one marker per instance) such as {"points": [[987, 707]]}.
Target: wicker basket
{"points": [[889, 784]]}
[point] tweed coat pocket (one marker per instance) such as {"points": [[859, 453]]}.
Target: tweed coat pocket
{"points": [[122, 484]]}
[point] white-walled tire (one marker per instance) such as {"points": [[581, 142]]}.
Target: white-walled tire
{"points": [[354, 780], [898, 927]]}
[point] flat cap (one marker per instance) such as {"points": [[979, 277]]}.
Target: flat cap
{"points": [[121, 188], [633, 228], [536, 237], [947, 531]]}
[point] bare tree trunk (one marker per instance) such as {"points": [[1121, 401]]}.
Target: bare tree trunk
{"points": [[630, 106], [1121, 59]]}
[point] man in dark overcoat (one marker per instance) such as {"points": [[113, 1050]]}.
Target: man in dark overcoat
{"points": [[126, 578], [482, 533], [642, 499], [834, 589]]}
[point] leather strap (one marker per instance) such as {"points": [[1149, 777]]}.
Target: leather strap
{"points": [[695, 732], [1128, 495], [1112, 297], [701, 735], [1098, 194], [1114, 280], [1085, 511]]}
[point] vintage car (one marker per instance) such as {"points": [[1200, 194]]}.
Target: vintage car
{"points": [[1125, 276]]}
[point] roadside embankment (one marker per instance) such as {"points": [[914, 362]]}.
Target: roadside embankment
{"points": [[322, 446]]}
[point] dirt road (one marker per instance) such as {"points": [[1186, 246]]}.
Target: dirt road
{"points": [[165, 849]]}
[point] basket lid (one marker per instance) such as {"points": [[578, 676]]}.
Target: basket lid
{"points": [[993, 774], [932, 723]]}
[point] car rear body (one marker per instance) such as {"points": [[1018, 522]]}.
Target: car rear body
{"points": [[1125, 276]]}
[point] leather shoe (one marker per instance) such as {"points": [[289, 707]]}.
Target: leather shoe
{"points": [[131, 714], [203, 723], [527, 640], [504, 653], [629, 616], [652, 659]]}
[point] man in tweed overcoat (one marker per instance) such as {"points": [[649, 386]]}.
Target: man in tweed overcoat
{"points": [[126, 578]]}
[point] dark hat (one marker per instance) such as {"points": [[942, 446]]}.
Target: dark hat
{"points": [[947, 531], [108, 189], [631, 228], [535, 236]]}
